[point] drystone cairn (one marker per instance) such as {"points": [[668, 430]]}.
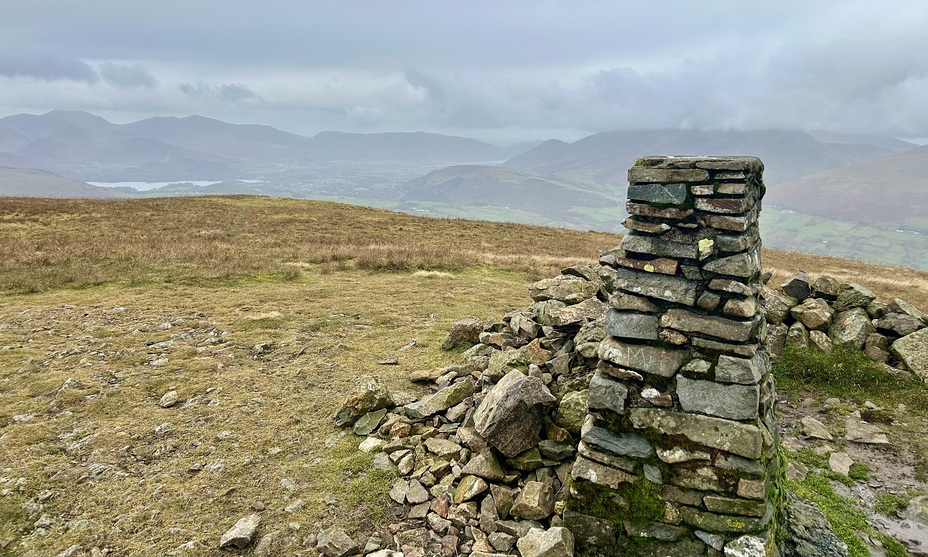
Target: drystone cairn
{"points": [[679, 451]]}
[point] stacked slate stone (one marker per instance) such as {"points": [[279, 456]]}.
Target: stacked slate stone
{"points": [[678, 454]]}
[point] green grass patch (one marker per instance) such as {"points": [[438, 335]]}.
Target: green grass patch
{"points": [[845, 517], [848, 374], [888, 504], [859, 471], [349, 476]]}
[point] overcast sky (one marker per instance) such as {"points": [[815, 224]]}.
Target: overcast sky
{"points": [[504, 70]]}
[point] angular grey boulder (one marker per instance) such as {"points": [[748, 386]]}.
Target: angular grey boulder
{"points": [[554, 542], [851, 328], [334, 542], [369, 394], [510, 416], [240, 535], [913, 351]]}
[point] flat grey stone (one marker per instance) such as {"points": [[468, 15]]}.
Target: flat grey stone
{"points": [[899, 324], [736, 243], [599, 474], [815, 429], [334, 542], [369, 422], [588, 310], [735, 402], [897, 305], [643, 357], [711, 325], [606, 393], [862, 432], [622, 444], [743, 370], [718, 433], [242, 533], [664, 194], [725, 523], [643, 175], [663, 287], [744, 265], [631, 325], [660, 246]]}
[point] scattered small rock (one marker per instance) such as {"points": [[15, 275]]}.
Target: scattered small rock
{"points": [[241, 534], [169, 399]]}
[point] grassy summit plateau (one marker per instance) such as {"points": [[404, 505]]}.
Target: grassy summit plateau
{"points": [[258, 312]]}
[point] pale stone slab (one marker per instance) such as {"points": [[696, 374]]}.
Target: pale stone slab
{"points": [[735, 402], [643, 357], [718, 433], [718, 327]]}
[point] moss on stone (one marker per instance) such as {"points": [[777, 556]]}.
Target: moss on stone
{"points": [[639, 502]]}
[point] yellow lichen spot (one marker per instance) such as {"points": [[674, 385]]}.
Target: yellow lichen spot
{"points": [[649, 268], [706, 243]]}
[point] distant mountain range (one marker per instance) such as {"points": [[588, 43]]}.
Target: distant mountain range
{"points": [[27, 182], [848, 195], [786, 154], [85, 146]]}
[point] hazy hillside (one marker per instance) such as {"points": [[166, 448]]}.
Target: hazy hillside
{"points": [[407, 146], [888, 192], [786, 154], [91, 148], [21, 182], [501, 187], [219, 138], [74, 142]]}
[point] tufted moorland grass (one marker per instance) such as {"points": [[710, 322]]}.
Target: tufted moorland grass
{"points": [[270, 307], [76, 243]]}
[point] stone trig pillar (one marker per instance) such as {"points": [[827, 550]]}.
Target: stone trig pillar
{"points": [[679, 452]]}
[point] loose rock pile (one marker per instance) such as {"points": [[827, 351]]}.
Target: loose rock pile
{"points": [[457, 490], [828, 313], [484, 461]]}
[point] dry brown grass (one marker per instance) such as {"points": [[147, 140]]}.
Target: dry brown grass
{"points": [[50, 244], [154, 491]]}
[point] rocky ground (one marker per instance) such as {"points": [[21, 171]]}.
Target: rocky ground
{"points": [[178, 420], [485, 462]]}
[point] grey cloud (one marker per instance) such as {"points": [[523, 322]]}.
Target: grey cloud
{"points": [[45, 66], [127, 76], [228, 92], [848, 65]]}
